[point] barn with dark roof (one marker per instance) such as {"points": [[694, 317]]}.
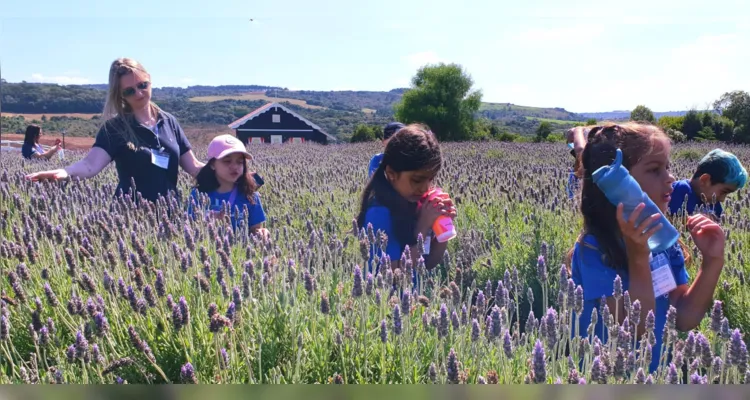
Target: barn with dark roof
{"points": [[275, 123]]}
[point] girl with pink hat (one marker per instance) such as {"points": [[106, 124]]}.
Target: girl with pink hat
{"points": [[227, 181]]}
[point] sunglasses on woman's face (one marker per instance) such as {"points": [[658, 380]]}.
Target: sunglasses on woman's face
{"points": [[131, 90]]}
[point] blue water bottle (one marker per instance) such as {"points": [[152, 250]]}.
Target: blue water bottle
{"points": [[620, 187]]}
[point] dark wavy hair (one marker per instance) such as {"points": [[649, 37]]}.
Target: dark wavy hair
{"points": [[599, 215], [412, 148], [32, 134], [207, 182]]}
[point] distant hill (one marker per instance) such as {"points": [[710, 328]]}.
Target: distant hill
{"points": [[624, 114], [336, 111]]}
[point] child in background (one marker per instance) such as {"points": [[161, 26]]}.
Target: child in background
{"points": [[610, 245], [388, 131], [576, 140], [411, 160], [226, 178], [719, 174]]}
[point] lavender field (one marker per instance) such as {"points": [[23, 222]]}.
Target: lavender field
{"points": [[95, 290]]}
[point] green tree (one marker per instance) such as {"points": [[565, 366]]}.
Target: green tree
{"points": [[591, 121], [543, 131], [642, 113], [669, 122], [363, 133], [691, 125], [735, 106], [442, 98]]}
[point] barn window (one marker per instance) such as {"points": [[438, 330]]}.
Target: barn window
{"points": [[256, 140], [276, 118], [276, 139]]}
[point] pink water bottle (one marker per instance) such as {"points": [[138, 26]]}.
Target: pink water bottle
{"points": [[443, 226]]}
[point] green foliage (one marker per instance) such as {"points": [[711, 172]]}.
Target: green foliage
{"points": [[670, 122], [442, 98], [508, 137], [591, 121], [706, 133], [642, 113], [690, 155], [555, 138], [543, 131], [691, 124], [735, 106], [365, 133], [676, 136]]}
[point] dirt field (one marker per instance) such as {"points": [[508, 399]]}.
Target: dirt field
{"points": [[71, 143], [255, 96]]}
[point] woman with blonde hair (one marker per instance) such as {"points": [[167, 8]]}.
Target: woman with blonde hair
{"points": [[146, 143]]}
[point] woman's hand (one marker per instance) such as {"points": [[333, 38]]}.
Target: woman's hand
{"points": [[708, 236], [635, 235], [52, 175]]}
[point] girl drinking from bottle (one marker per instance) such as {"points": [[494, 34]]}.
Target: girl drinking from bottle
{"points": [[226, 178], [395, 199], [612, 244]]}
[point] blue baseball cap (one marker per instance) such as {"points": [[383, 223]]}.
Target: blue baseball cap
{"points": [[391, 129]]}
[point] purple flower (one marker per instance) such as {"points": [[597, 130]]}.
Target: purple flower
{"points": [[497, 326], [541, 268], [474, 330], [369, 284], [101, 324], [507, 345], [231, 311], [551, 319], [406, 303], [224, 358], [696, 379], [539, 363], [357, 287], [443, 325], [187, 374], [396, 320], [160, 285], [481, 301], [4, 327], [464, 315], [716, 316], [617, 288], [455, 323], [50, 295], [44, 337], [635, 316], [177, 320], [451, 367], [673, 377], [578, 300], [325, 306], [184, 310], [432, 372], [148, 294], [70, 353], [640, 377], [81, 345], [237, 297], [384, 331]]}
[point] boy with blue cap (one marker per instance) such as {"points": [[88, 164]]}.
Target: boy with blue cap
{"points": [[388, 131], [719, 174]]}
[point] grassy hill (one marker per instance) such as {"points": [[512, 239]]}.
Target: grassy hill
{"points": [[338, 112]]}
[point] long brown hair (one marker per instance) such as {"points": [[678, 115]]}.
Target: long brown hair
{"points": [[32, 135], [117, 112], [207, 182], [599, 215], [411, 148]]}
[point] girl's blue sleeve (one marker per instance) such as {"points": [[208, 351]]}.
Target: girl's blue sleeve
{"points": [[194, 197], [256, 213], [380, 218]]}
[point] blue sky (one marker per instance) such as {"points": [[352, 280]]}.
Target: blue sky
{"points": [[590, 55]]}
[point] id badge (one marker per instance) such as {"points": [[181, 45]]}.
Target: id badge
{"points": [[160, 158], [661, 275], [427, 244]]}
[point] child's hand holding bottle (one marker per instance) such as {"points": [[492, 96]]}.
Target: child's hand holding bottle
{"points": [[436, 210], [708, 237]]}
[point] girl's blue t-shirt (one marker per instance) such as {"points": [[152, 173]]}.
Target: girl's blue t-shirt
{"points": [[597, 280], [256, 214], [380, 218]]}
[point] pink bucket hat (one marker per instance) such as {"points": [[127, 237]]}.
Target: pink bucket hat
{"points": [[224, 145]]}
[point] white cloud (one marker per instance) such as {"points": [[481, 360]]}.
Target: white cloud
{"points": [[59, 79], [421, 59]]}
